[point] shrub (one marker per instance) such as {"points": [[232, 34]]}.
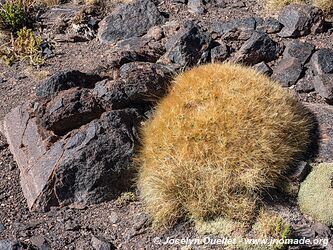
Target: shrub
{"points": [[316, 194], [274, 6], [15, 14], [222, 135], [25, 47]]}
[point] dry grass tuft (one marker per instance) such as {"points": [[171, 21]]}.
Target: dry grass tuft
{"points": [[274, 6], [316, 192], [25, 47], [325, 5], [222, 135]]}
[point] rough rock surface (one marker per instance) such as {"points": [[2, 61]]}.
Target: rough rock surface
{"points": [[66, 80], [260, 47], [219, 53], [298, 50], [323, 84], [129, 20], [263, 68], [300, 20], [322, 61], [246, 24], [139, 84], [187, 47], [88, 166], [68, 110], [288, 71], [76, 146]]}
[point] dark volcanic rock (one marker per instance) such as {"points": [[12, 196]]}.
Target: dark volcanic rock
{"points": [[324, 86], [263, 68], [66, 80], [219, 53], [260, 47], [96, 164], [141, 84], [187, 46], [129, 20], [300, 19], [288, 71], [68, 110], [76, 147], [270, 25], [87, 166], [136, 49], [298, 50], [322, 61], [246, 24], [305, 84]]}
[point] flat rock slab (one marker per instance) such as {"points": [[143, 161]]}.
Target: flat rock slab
{"points": [[324, 116]]}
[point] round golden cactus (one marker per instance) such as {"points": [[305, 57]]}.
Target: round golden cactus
{"points": [[222, 135]]}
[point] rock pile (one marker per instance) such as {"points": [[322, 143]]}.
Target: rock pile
{"points": [[75, 142]]}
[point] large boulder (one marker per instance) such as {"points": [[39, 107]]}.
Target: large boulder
{"points": [[76, 145], [129, 20], [88, 165]]}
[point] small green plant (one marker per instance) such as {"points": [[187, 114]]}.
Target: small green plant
{"points": [[316, 192], [126, 198], [25, 47], [222, 136], [271, 226], [14, 14], [221, 226]]}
